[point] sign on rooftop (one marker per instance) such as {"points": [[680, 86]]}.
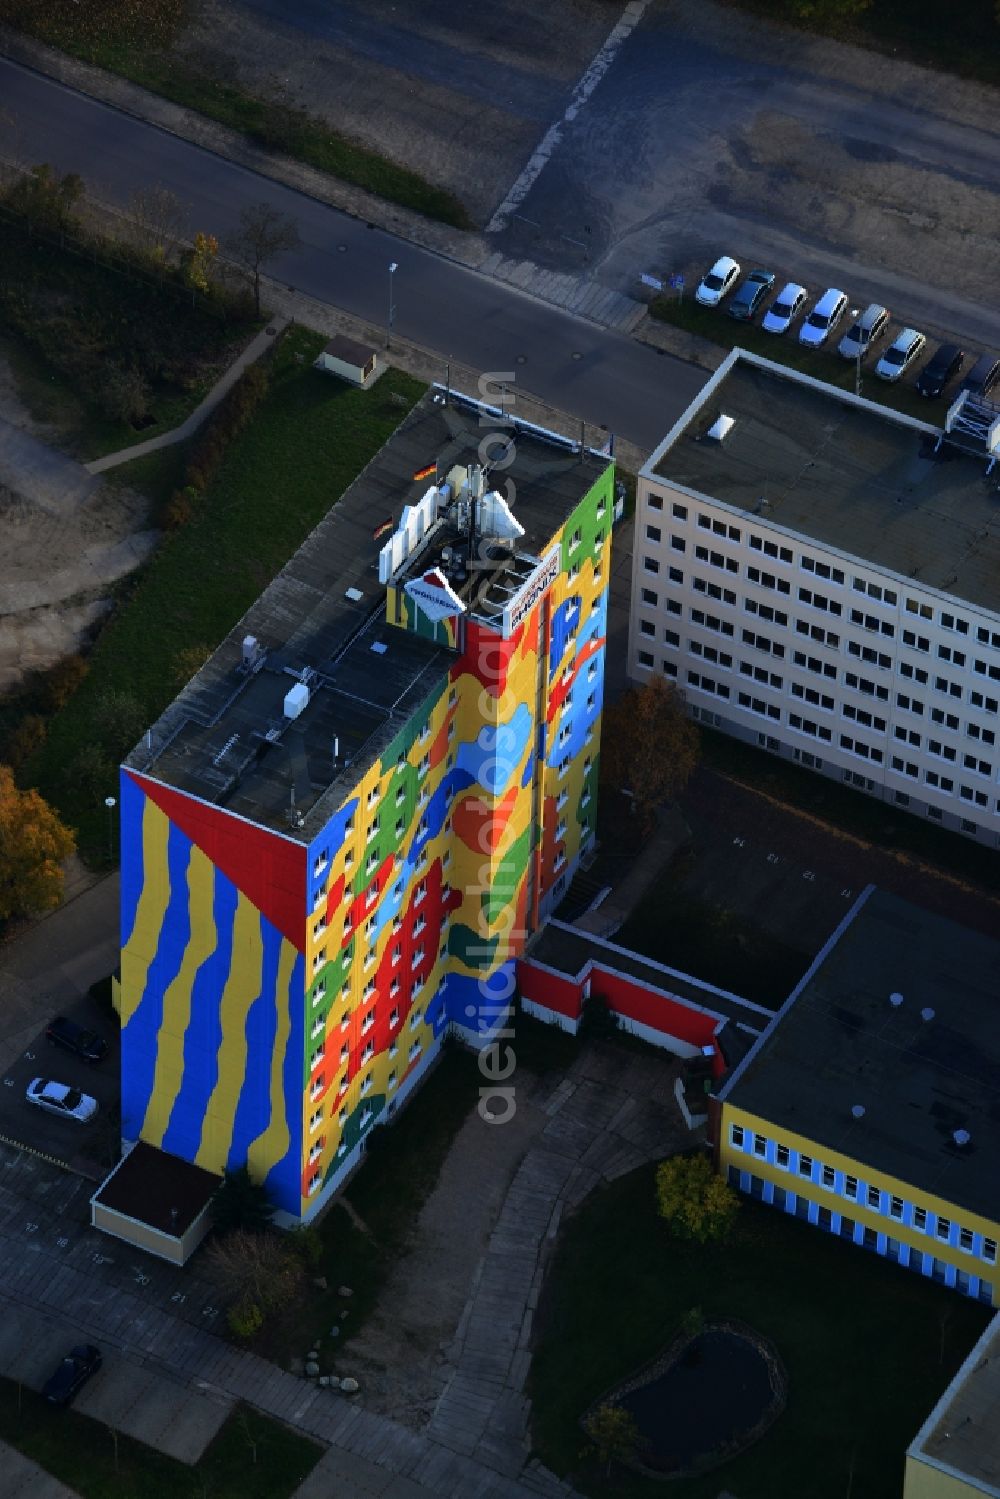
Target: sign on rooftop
{"points": [[434, 595]]}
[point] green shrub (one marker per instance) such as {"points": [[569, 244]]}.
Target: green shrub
{"points": [[244, 1319]]}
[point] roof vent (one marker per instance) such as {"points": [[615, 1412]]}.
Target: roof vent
{"points": [[379, 647], [927, 1014], [720, 427], [961, 1137], [354, 594], [296, 699], [895, 999], [858, 1111]]}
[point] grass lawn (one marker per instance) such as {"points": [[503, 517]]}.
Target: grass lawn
{"points": [[399, 1172], [278, 127], [308, 441], [964, 39], [866, 818], [79, 1451], [677, 928], [868, 1347], [822, 364]]}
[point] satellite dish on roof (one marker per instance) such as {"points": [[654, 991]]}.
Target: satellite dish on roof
{"points": [[927, 1014], [895, 999], [961, 1137], [858, 1110]]}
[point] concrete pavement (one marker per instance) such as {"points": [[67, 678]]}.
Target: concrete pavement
{"points": [[56, 960], [23, 1479], [447, 308]]}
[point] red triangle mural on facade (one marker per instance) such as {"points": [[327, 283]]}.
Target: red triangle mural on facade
{"points": [[268, 869]]}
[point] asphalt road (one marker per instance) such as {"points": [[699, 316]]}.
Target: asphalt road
{"points": [[600, 376]]}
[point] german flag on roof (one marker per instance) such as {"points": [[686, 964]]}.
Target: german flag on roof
{"points": [[425, 473]]}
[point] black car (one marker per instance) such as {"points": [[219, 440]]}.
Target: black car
{"points": [[76, 1038], [72, 1374], [941, 368], [983, 376], [750, 295]]}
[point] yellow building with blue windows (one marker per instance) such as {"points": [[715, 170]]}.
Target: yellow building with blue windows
{"points": [[870, 1106]]}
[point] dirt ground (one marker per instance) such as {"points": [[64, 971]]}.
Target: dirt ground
{"points": [[398, 1357], [58, 559], [458, 93]]}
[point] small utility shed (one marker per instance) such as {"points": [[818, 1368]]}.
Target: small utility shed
{"points": [[350, 360], [157, 1202]]}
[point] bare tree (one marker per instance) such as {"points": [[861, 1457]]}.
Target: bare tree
{"points": [[264, 233], [160, 220], [261, 1269]]}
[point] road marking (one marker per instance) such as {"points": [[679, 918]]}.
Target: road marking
{"points": [[773, 859], [631, 16], [740, 842], [807, 874], [31, 1228], [847, 894]]}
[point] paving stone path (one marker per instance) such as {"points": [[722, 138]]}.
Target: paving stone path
{"points": [[614, 1111]]}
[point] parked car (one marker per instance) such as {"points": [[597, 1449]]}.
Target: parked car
{"points": [[750, 295], [942, 367], [72, 1374], [864, 332], [983, 376], [900, 354], [57, 1098], [719, 281], [781, 313], [76, 1038], [824, 318]]}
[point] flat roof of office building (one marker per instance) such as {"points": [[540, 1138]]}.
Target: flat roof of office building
{"points": [[853, 475], [921, 1068], [961, 1435], [225, 738]]}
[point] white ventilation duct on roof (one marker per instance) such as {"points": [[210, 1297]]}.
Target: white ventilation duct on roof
{"points": [[895, 999], [858, 1110], [720, 427], [927, 1014], [961, 1137]]}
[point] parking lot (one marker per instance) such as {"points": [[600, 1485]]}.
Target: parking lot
{"points": [[90, 1148]]}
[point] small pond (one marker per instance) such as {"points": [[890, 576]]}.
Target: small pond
{"points": [[710, 1396]]}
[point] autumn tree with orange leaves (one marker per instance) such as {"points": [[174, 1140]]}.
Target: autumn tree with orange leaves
{"points": [[649, 747], [33, 845]]}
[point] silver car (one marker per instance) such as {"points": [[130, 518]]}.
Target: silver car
{"points": [[900, 354], [60, 1099], [864, 332], [783, 312]]}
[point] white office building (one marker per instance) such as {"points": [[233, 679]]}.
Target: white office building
{"points": [[820, 577]]}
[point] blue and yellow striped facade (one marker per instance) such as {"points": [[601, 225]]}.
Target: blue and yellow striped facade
{"points": [[278, 997]]}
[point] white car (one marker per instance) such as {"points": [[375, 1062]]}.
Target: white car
{"points": [[57, 1098], [824, 318], [900, 354], [719, 281], [782, 313]]}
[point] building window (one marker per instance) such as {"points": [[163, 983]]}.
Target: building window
{"points": [[781, 1156], [829, 1177], [920, 1219], [896, 1208], [944, 1229], [805, 1165], [759, 1145], [990, 1251], [874, 1197], [965, 1239], [851, 1187]]}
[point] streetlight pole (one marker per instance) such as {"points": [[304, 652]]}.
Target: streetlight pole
{"points": [[393, 267], [111, 803], [857, 361]]}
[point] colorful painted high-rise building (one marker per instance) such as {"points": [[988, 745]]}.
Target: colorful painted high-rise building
{"points": [[337, 839]]}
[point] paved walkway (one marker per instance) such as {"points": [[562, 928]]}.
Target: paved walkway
{"points": [[253, 351], [42, 475], [612, 1112], [23, 1479]]}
